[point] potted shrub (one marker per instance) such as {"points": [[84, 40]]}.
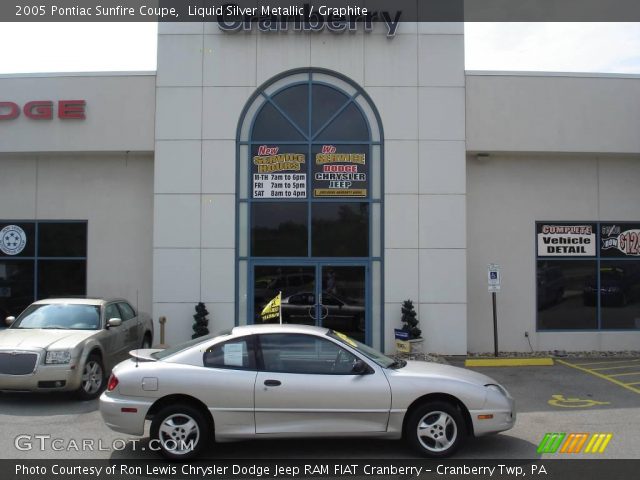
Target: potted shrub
{"points": [[201, 322], [410, 325]]}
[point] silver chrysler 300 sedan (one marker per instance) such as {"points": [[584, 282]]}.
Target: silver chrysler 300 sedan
{"points": [[279, 381], [69, 344]]}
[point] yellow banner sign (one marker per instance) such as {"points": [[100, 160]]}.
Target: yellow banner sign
{"points": [[271, 309], [328, 192]]}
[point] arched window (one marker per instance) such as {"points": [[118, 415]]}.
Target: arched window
{"points": [[309, 191]]}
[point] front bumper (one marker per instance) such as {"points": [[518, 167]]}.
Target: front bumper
{"points": [[487, 421], [130, 422], [46, 378]]}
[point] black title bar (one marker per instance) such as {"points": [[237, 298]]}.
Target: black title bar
{"points": [[411, 10]]}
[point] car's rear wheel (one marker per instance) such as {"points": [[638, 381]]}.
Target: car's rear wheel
{"points": [[180, 431], [436, 429], [93, 376]]}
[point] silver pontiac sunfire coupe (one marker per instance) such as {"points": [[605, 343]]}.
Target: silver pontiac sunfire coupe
{"points": [[280, 381]]}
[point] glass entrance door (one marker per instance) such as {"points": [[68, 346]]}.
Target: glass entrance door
{"points": [[333, 296], [343, 299]]}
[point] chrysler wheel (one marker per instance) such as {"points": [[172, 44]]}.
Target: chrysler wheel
{"points": [[92, 378], [436, 429], [180, 431]]}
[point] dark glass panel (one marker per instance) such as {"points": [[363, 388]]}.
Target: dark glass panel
{"points": [[340, 229], [17, 239], [279, 229], [565, 299], [294, 101], [270, 125], [126, 311], [620, 294], [62, 239], [297, 353], [343, 300], [325, 102], [62, 278], [234, 354], [349, 125], [298, 286], [16, 287]]}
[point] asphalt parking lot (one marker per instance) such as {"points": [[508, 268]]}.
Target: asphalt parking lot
{"points": [[572, 396]]}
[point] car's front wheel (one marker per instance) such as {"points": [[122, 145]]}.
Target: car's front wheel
{"points": [[180, 432], [436, 429], [93, 376]]}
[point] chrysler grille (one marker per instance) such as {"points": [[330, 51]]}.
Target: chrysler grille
{"points": [[17, 363]]}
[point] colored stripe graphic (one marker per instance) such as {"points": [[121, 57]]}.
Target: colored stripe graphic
{"points": [[574, 442], [559, 442], [551, 442], [598, 443]]}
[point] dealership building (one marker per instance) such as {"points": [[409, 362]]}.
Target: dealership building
{"points": [[349, 169]]}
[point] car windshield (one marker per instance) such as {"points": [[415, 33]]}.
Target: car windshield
{"points": [[184, 345], [60, 316], [366, 350]]}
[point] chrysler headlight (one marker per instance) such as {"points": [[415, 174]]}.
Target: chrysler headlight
{"points": [[58, 356], [498, 388]]}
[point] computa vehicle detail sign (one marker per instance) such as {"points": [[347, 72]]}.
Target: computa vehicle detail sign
{"points": [[340, 173], [279, 175], [566, 240], [620, 239]]}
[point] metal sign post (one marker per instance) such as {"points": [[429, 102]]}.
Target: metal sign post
{"points": [[493, 280]]}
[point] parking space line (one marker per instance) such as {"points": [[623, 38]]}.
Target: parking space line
{"points": [[609, 378], [624, 374], [608, 362], [615, 368]]}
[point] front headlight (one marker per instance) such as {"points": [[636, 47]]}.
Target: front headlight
{"points": [[498, 388], [58, 356]]}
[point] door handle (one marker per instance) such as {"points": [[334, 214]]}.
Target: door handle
{"points": [[272, 383]]}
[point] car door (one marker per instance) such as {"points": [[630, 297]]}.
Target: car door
{"points": [[114, 342], [306, 385], [228, 384], [131, 326]]}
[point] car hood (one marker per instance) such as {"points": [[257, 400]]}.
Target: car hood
{"points": [[437, 370], [42, 338]]}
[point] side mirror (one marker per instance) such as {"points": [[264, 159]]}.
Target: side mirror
{"points": [[360, 368], [9, 320], [114, 322]]}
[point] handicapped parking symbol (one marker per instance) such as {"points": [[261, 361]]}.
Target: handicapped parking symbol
{"points": [[572, 402]]}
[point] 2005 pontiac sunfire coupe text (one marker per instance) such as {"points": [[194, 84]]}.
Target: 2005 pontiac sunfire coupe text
{"points": [[279, 381]]}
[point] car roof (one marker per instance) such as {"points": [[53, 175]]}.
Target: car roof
{"points": [[278, 328], [77, 301]]}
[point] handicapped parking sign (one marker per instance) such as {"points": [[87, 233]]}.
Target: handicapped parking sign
{"points": [[493, 277]]}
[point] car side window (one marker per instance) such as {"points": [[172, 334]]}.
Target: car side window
{"points": [[234, 354], [126, 311], [111, 311], [306, 354]]}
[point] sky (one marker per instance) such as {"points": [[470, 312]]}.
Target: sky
{"points": [[565, 47]]}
